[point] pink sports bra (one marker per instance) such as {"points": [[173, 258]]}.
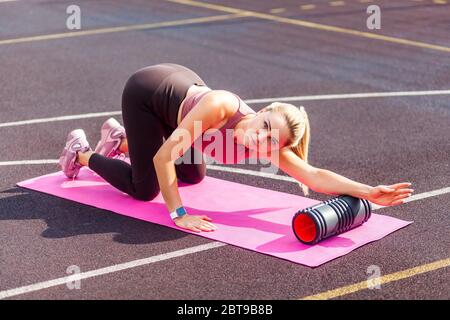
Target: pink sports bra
{"points": [[219, 154], [193, 99]]}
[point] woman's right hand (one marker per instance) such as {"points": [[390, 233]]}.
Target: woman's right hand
{"points": [[195, 223]]}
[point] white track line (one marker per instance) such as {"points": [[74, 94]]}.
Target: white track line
{"points": [[251, 173], [353, 96], [209, 166], [114, 268], [260, 174], [27, 162], [61, 118], [428, 194], [249, 101]]}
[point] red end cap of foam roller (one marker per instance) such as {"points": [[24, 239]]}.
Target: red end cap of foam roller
{"points": [[304, 228]]}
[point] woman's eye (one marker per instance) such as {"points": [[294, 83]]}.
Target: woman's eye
{"points": [[266, 125]]}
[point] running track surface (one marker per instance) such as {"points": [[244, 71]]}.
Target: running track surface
{"points": [[371, 140]]}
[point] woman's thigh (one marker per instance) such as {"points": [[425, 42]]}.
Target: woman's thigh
{"points": [[145, 133], [150, 103]]}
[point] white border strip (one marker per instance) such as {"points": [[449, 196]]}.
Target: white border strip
{"points": [[265, 100]]}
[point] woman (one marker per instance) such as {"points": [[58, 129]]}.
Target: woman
{"points": [[169, 112]]}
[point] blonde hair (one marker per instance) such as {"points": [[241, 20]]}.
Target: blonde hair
{"points": [[298, 123]]}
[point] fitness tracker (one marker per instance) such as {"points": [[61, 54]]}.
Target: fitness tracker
{"points": [[179, 212]]}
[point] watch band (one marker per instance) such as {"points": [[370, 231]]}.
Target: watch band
{"points": [[179, 212]]}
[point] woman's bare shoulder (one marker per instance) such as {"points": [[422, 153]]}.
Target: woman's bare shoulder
{"points": [[221, 94], [226, 99]]}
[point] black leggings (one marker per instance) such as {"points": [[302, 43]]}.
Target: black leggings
{"points": [[150, 102]]}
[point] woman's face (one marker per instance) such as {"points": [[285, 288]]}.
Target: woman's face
{"points": [[263, 131]]}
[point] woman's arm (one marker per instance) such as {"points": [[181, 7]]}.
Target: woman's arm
{"points": [[384, 195], [208, 112], [286, 160], [328, 182]]}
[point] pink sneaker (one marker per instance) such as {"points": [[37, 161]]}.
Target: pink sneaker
{"points": [[112, 133], [76, 141]]}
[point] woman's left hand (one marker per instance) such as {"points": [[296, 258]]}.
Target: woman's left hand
{"points": [[392, 195]]}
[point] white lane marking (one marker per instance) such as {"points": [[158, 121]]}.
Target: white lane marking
{"points": [[249, 101], [415, 197], [27, 162], [114, 268], [260, 174], [251, 172], [61, 118], [7, 0], [352, 96], [428, 194]]}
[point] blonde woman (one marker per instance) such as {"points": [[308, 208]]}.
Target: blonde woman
{"points": [[162, 106]]}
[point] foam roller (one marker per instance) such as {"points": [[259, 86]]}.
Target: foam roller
{"points": [[331, 217]]}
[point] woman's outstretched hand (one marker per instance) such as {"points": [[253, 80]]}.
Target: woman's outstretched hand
{"points": [[392, 195], [195, 223]]}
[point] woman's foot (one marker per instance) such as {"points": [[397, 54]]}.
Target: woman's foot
{"points": [[83, 157], [76, 142], [112, 134]]}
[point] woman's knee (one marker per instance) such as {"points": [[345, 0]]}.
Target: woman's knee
{"points": [[191, 176], [145, 196], [146, 192], [192, 180]]}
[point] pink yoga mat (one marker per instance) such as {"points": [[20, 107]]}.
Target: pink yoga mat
{"points": [[249, 217]]}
